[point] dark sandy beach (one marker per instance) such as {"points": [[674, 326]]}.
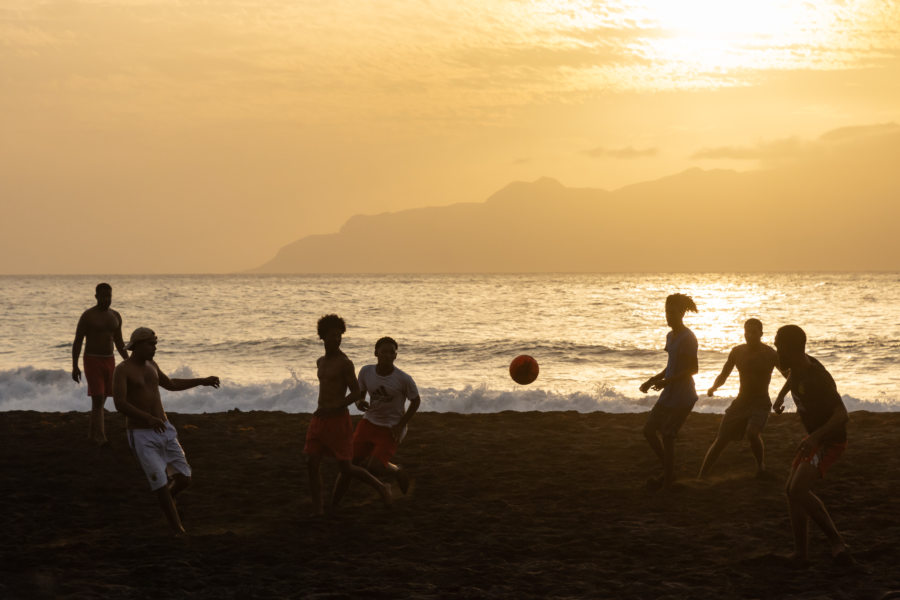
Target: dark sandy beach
{"points": [[509, 505]]}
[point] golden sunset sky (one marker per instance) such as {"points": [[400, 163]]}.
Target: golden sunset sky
{"points": [[170, 137]]}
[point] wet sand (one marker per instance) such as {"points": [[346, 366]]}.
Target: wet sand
{"points": [[509, 505]]}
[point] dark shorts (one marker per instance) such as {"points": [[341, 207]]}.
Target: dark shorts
{"points": [[739, 418], [98, 372], [330, 436], [373, 440], [667, 420]]}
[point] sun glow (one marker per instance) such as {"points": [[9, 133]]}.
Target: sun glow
{"points": [[712, 36]]}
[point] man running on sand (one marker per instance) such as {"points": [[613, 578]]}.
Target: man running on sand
{"points": [[151, 436], [824, 417], [330, 431], [677, 384], [383, 426], [749, 411], [102, 327]]}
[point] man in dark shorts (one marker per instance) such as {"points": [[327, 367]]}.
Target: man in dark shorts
{"points": [[678, 392], [749, 411], [330, 431], [824, 417], [102, 327]]}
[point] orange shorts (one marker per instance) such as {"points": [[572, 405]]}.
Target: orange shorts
{"points": [[98, 372], [373, 440], [821, 457], [330, 436]]}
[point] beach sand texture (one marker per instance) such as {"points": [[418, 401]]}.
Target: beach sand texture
{"points": [[508, 505]]}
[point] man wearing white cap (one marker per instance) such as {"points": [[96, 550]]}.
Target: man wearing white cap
{"points": [[136, 384]]}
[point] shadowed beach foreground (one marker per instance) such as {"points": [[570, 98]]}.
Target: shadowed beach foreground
{"points": [[509, 505]]}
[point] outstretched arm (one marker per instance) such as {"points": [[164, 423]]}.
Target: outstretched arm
{"points": [[177, 385], [723, 376]]}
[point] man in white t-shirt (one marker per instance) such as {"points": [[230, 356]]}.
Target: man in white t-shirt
{"points": [[386, 417]]}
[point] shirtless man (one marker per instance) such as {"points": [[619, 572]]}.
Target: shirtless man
{"points": [[749, 411], [151, 436], [330, 430], [102, 327]]}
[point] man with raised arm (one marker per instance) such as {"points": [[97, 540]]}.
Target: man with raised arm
{"points": [[749, 411], [102, 328], [824, 417], [151, 436]]}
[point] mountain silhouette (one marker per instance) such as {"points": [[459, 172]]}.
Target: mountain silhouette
{"points": [[833, 207]]}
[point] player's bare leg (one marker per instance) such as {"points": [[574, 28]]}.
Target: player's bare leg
{"points": [[655, 443], [313, 464], [668, 461], [712, 455], [178, 484], [168, 507], [97, 428], [805, 505], [348, 470], [758, 449]]}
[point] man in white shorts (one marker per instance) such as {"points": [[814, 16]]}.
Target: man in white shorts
{"points": [[152, 437], [383, 427]]}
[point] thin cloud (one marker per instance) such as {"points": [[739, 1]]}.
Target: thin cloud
{"points": [[622, 153], [849, 133], [784, 148]]}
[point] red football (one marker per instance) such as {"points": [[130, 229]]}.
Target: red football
{"points": [[523, 369]]}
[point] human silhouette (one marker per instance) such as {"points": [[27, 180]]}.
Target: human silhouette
{"points": [[677, 384], [101, 327], [749, 411], [151, 436], [330, 431], [383, 427], [824, 417]]}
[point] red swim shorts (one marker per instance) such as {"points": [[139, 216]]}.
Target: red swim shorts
{"points": [[330, 436], [821, 457], [373, 440], [98, 372]]}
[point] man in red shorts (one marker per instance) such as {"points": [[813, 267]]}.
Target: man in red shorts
{"points": [[825, 419], [102, 327], [330, 430], [383, 426]]}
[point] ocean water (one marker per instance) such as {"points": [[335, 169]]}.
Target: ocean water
{"points": [[597, 337]]}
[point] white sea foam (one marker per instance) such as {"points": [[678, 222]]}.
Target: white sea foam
{"points": [[51, 390]]}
